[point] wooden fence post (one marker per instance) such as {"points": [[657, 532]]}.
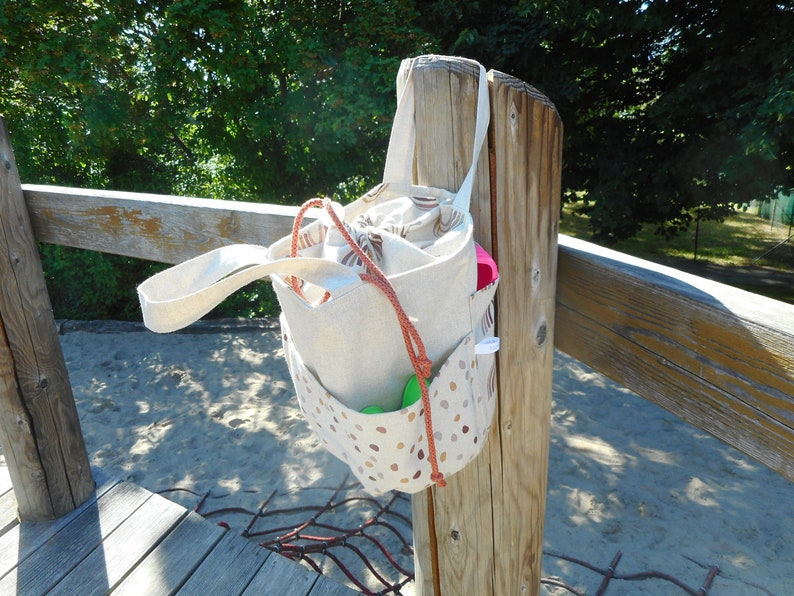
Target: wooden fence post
{"points": [[39, 428], [483, 534]]}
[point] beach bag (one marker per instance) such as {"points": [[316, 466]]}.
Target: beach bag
{"points": [[387, 317]]}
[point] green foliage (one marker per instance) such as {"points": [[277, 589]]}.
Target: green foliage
{"points": [[674, 110], [254, 301], [671, 108], [260, 100], [90, 285]]}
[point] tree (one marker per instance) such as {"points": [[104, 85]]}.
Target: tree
{"points": [[669, 107], [259, 100], [256, 100]]}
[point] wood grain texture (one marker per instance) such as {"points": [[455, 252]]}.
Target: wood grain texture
{"points": [[527, 143], [171, 563], [63, 551], [293, 578], [482, 534], [228, 568], [446, 103], [718, 357], [20, 541], [5, 480], [18, 442], [8, 511], [325, 587], [155, 227], [126, 540], [121, 551], [40, 427], [446, 96]]}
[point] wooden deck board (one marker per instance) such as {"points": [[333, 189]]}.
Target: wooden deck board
{"points": [[279, 575], [121, 551], [127, 540], [228, 568], [8, 504], [8, 511], [299, 579], [5, 479], [61, 553], [22, 540], [174, 560]]}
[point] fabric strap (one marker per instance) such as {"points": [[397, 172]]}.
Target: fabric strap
{"points": [[402, 143], [176, 297]]}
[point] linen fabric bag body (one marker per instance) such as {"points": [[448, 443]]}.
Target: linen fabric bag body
{"points": [[346, 346]]}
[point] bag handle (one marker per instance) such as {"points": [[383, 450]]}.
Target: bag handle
{"points": [[402, 142], [182, 294]]}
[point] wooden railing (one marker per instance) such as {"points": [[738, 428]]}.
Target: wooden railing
{"points": [[718, 357]]}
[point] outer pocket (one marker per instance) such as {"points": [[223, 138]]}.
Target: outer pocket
{"points": [[389, 451], [483, 314]]}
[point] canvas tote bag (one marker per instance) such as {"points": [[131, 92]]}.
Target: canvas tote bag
{"points": [[375, 296]]}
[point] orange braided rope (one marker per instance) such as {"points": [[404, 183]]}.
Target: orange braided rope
{"points": [[413, 342], [294, 281]]}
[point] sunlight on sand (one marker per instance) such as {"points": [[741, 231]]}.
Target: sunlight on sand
{"points": [[701, 493], [598, 449]]}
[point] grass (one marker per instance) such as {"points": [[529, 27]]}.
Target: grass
{"points": [[736, 242], [731, 251]]}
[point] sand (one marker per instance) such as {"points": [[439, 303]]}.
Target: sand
{"points": [[211, 409]]}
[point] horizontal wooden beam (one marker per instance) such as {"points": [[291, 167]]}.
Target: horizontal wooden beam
{"points": [[155, 227], [716, 356]]}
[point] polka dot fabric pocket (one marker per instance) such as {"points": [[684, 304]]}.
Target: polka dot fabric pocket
{"points": [[390, 451]]}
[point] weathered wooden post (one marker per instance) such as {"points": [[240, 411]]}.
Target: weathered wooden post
{"points": [[39, 428], [483, 534]]}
